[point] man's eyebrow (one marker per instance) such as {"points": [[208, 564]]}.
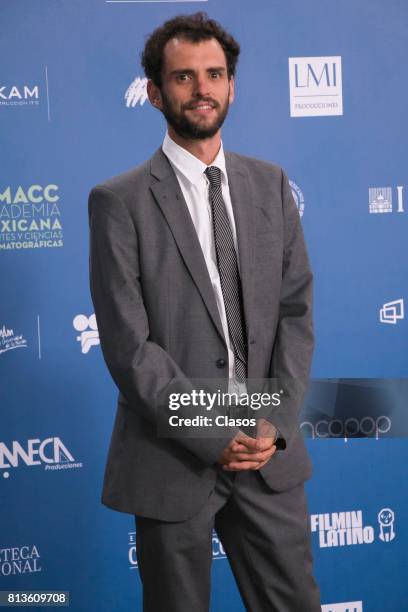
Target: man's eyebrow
{"points": [[190, 71]]}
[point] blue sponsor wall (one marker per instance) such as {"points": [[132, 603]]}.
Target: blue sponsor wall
{"points": [[73, 112]]}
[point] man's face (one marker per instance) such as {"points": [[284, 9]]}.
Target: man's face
{"points": [[196, 91]]}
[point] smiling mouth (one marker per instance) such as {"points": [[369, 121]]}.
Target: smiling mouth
{"points": [[204, 105], [202, 110]]}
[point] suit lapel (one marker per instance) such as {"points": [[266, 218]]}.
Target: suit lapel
{"points": [[170, 198]]}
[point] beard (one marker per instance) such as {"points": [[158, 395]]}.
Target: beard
{"points": [[194, 130]]}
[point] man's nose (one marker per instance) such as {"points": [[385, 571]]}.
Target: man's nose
{"points": [[201, 86]]}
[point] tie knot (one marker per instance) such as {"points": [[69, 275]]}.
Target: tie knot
{"points": [[214, 176]]}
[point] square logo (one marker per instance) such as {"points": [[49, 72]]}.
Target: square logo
{"points": [[315, 86], [350, 606], [391, 312], [380, 199]]}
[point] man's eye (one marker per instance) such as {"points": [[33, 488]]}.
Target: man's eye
{"points": [[183, 77], [215, 75]]}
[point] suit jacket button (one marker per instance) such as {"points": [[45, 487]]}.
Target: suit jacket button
{"points": [[220, 363]]}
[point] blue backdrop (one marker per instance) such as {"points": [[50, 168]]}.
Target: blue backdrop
{"points": [[321, 90]]}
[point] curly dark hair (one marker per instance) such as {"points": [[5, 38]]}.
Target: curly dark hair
{"points": [[193, 28]]}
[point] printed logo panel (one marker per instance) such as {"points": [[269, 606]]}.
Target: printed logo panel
{"points": [[315, 86]]}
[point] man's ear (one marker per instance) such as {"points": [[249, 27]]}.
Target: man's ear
{"points": [[154, 95], [231, 95]]}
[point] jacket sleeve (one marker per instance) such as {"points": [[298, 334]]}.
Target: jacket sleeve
{"points": [[294, 341], [141, 369]]}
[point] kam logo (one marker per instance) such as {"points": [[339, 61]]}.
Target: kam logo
{"points": [[136, 93], [51, 452], [391, 312], [19, 95], [27, 92], [315, 86]]}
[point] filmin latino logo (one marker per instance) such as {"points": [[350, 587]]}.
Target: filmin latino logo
{"points": [[347, 528]]}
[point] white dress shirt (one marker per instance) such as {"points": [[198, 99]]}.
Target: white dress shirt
{"points": [[194, 185]]}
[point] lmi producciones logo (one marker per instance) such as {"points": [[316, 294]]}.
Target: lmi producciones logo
{"points": [[315, 85]]}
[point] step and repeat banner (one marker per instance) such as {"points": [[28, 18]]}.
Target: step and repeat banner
{"points": [[321, 90]]}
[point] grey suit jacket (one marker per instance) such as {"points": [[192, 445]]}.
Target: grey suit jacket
{"points": [[158, 321]]}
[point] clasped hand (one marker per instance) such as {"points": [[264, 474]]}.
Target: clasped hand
{"points": [[247, 453]]}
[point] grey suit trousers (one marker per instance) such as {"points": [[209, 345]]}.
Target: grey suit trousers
{"points": [[265, 535]]}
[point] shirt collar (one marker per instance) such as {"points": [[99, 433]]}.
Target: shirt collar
{"points": [[188, 164]]}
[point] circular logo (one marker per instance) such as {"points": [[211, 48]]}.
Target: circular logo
{"points": [[82, 322], [298, 197]]}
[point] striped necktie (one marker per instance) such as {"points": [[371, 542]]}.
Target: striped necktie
{"points": [[227, 264]]}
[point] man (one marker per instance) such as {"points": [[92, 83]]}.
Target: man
{"points": [[199, 271]]}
